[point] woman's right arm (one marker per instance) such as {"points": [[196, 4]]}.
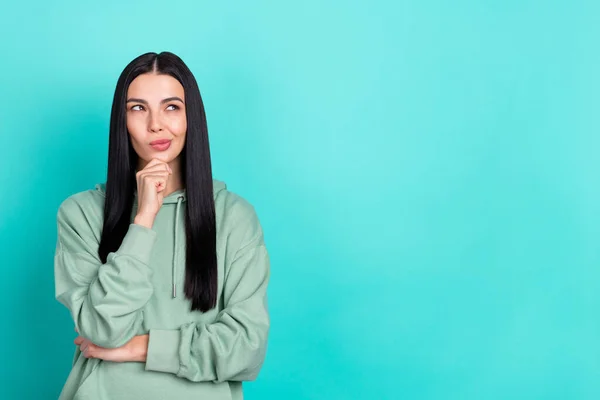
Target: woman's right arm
{"points": [[105, 300]]}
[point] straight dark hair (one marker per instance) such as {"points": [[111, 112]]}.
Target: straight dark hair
{"points": [[201, 257]]}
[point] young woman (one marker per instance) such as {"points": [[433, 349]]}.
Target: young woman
{"points": [[163, 269]]}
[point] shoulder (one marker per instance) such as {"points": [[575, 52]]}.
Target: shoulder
{"points": [[237, 219], [230, 204], [83, 213], [87, 201]]}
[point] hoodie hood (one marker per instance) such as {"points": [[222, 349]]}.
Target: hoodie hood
{"points": [[177, 197]]}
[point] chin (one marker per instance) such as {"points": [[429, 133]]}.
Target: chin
{"points": [[164, 157], [159, 156]]}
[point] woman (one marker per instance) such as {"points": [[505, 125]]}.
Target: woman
{"points": [[163, 269]]}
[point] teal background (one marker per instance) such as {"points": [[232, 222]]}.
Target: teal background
{"points": [[426, 173]]}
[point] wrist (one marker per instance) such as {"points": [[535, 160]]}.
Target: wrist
{"points": [[139, 348], [144, 220]]}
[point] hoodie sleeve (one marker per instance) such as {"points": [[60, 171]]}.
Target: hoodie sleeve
{"points": [[233, 347], [105, 300]]}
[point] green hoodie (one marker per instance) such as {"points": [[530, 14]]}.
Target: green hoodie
{"points": [[139, 290]]}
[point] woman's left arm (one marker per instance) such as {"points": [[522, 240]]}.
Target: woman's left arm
{"points": [[233, 347]]}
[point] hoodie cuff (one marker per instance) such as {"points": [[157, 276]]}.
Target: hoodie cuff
{"points": [[138, 242], [163, 350]]}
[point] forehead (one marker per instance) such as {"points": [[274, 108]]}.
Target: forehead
{"points": [[155, 87]]}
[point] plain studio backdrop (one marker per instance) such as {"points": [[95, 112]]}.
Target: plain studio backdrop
{"points": [[427, 173]]}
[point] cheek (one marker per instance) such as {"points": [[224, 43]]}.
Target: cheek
{"points": [[176, 123], [178, 126], [136, 139], [136, 134], [135, 128]]}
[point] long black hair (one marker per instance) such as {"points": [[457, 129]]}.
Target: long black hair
{"points": [[201, 257]]}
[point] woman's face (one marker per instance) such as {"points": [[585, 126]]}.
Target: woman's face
{"points": [[156, 112]]}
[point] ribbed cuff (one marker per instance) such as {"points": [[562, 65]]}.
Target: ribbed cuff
{"points": [[138, 242], [163, 350]]}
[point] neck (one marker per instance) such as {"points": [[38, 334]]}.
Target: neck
{"points": [[175, 181]]}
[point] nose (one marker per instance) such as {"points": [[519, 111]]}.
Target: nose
{"points": [[154, 124]]}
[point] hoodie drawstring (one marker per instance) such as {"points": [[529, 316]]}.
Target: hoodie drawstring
{"points": [[174, 266]]}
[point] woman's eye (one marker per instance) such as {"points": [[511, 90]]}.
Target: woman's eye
{"points": [[174, 107], [136, 109]]}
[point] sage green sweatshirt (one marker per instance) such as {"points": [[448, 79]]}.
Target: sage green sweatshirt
{"points": [[139, 290]]}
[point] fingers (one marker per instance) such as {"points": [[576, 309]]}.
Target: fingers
{"points": [[159, 181], [87, 348], [153, 162], [156, 165], [152, 180], [158, 176], [78, 340], [156, 168]]}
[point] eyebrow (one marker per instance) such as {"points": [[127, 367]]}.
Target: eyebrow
{"points": [[174, 98]]}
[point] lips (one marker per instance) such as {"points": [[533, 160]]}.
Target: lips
{"points": [[160, 141], [160, 144]]}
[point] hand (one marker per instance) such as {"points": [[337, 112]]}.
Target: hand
{"points": [[134, 350], [151, 183]]}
